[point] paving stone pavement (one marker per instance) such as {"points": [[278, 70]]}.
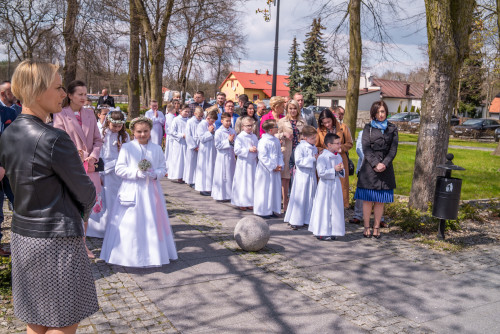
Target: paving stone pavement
{"points": [[296, 284]]}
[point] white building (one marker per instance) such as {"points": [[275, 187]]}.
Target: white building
{"points": [[394, 93]]}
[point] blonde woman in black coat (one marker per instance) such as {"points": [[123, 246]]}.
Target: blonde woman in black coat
{"points": [[376, 180]]}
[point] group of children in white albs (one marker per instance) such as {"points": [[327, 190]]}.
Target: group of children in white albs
{"points": [[238, 168]]}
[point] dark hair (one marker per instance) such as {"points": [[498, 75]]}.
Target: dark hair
{"points": [[185, 106], [245, 113], [326, 114], [122, 134], [221, 94], [200, 92], [243, 98], [212, 113], [225, 115], [330, 138], [229, 101], [376, 106], [71, 90], [269, 124], [153, 101]]}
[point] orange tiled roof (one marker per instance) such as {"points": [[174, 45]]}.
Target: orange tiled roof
{"points": [[262, 81], [495, 105]]}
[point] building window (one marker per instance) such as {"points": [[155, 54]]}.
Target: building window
{"points": [[236, 96], [335, 103], [252, 82], [268, 82], [285, 83], [255, 97], [237, 84], [227, 84]]}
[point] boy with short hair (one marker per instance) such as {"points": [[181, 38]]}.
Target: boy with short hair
{"points": [[179, 147], [327, 217], [299, 208], [225, 160], [245, 148], [267, 186], [192, 147], [206, 153]]}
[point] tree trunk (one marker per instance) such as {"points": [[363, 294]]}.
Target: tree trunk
{"points": [[448, 28], [355, 50], [71, 42], [134, 91], [156, 45], [145, 80], [497, 150]]}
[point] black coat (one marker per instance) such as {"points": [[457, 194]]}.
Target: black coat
{"points": [[378, 147], [51, 188], [110, 101]]}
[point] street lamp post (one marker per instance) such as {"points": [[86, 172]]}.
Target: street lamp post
{"points": [[275, 65]]}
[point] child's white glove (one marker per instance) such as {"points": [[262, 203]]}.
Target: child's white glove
{"points": [[141, 174]]}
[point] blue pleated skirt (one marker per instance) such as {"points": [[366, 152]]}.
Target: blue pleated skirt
{"points": [[375, 195]]}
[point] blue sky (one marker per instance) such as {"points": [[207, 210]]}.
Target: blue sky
{"points": [[295, 20]]}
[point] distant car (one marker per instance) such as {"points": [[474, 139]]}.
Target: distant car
{"points": [[475, 127], [403, 117], [415, 123], [497, 134]]}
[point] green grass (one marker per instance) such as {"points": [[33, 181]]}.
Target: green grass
{"points": [[412, 138], [480, 179]]}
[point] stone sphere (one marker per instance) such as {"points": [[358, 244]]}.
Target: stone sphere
{"points": [[252, 233]]}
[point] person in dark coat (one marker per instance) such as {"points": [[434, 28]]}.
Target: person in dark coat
{"points": [[52, 284], [376, 180], [106, 99]]}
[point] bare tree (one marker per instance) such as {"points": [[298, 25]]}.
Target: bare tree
{"points": [[133, 64], [448, 28], [155, 31], [26, 23], [71, 42]]}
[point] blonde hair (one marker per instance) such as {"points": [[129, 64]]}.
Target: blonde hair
{"points": [[198, 111], [276, 101], [31, 79], [296, 104], [247, 119]]}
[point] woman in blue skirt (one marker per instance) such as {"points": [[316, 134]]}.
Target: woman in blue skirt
{"points": [[376, 180]]}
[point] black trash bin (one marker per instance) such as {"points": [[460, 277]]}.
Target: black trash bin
{"points": [[447, 197], [447, 194]]}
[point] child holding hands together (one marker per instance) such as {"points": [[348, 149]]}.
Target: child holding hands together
{"points": [[327, 217], [267, 186], [245, 147], [300, 205]]}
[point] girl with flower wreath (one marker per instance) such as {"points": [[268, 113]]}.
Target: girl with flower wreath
{"points": [[138, 233], [114, 136]]}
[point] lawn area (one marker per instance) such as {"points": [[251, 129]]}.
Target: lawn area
{"points": [[480, 179], [410, 137]]}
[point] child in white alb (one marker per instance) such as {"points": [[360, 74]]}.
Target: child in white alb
{"points": [[206, 153], [225, 160], [139, 233], [114, 136], [267, 186], [245, 148], [192, 147], [327, 217], [179, 147], [169, 140], [303, 190]]}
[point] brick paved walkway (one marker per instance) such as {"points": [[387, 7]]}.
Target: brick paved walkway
{"points": [[296, 284]]}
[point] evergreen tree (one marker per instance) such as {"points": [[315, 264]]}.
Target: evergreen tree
{"points": [[294, 69], [314, 69]]}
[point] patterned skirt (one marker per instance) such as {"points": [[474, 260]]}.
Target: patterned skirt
{"points": [[52, 283], [375, 195]]}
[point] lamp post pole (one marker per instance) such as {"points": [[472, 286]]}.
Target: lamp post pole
{"points": [[275, 65]]}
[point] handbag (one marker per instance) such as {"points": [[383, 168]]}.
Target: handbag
{"points": [[351, 164], [99, 165]]}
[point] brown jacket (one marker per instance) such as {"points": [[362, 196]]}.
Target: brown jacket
{"points": [[285, 127]]}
